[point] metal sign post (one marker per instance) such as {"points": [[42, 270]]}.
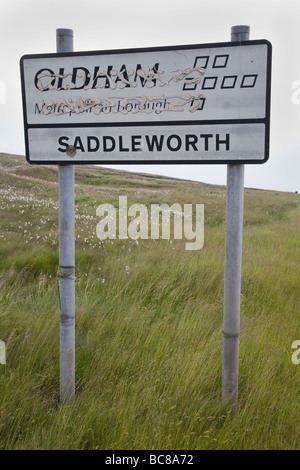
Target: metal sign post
{"points": [[64, 38], [233, 266]]}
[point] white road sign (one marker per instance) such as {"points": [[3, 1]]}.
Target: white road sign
{"points": [[184, 104]]}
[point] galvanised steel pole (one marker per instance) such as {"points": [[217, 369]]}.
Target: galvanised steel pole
{"points": [[64, 43], [233, 266]]}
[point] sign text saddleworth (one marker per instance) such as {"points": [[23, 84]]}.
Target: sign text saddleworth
{"points": [[185, 104]]}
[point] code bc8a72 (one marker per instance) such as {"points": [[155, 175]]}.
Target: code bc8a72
{"points": [[166, 459]]}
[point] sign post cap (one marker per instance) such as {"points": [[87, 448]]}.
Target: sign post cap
{"points": [[64, 32], [242, 28]]}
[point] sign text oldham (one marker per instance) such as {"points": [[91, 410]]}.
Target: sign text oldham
{"points": [[184, 104]]}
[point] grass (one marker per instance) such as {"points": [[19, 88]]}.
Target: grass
{"points": [[148, 321]]}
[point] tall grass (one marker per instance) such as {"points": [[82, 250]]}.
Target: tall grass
{"points": [[148, 324]]}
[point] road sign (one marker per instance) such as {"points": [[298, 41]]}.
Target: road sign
{"points": [[183, 104]]}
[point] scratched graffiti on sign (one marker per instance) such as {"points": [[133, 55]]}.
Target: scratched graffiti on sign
{"points": [[191, 84], [139, 104], [112, 78], [83, 79]]}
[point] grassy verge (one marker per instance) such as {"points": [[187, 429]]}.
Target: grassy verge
{"points": [[148, 323]]}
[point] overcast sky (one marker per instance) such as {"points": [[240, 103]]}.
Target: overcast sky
{"points": [[29, 27]]}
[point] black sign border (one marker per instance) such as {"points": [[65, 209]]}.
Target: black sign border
{"points": [[265, 121]]}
